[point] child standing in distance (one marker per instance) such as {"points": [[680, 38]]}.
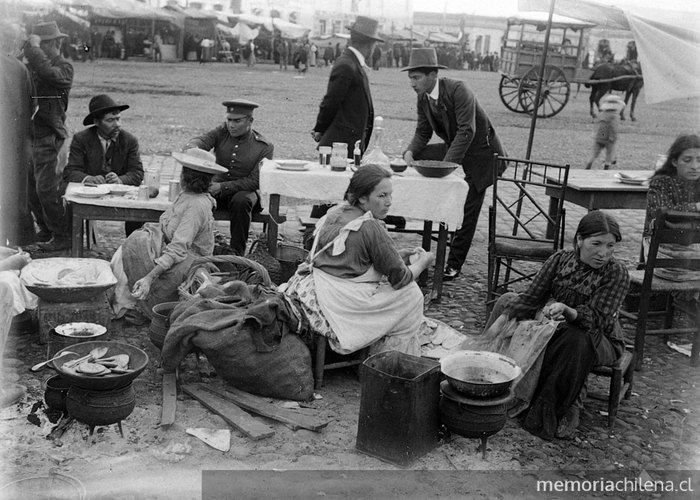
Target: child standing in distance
{"points": [[606, 130]]}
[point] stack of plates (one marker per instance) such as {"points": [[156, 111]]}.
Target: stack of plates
{"points": [[629, 179], [296, 165]]}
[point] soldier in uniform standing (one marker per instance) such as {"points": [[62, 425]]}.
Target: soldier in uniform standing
{"points": [[240, 149]]}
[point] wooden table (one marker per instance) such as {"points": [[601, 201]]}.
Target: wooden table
{"points": [[414, 197], [119, 208], [600, 189]]}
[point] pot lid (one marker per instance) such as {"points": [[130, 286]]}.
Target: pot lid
{"points": [[451, 393]]}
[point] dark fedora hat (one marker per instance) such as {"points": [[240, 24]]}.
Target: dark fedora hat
{"points": [[423, 58], [101, 104], [48, 31], [366, 27]]}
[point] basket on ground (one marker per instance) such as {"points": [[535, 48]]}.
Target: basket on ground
{"points": [[231, 267]]}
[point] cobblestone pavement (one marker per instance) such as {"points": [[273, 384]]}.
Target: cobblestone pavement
{"points": [[657, 428]]}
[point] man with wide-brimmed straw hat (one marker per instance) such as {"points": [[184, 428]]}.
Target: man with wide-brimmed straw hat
{"points": [[450, 110], [53, 78], [240, 149], [104, 153]]}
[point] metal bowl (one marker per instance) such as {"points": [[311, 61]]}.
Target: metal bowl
{"points": [[138, 360], [434, 168], [480, 374], [47, 278], [398, 165]]}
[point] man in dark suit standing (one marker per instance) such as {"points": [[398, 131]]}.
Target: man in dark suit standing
{"points": [[449, 109], [346, 112], [104, 153]]}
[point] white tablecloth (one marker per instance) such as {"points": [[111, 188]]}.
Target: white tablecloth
{"points": [[414, 197], [129, 200]]}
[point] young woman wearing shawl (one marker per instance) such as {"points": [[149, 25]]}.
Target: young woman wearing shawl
{"points": [[676, 186], [585, 287], [358, 287], [155, 260]]}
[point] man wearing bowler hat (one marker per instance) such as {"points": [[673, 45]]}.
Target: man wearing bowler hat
{"points": [[450, 110], [240, 149], [104, 153], [346, 113], [53, 78]]}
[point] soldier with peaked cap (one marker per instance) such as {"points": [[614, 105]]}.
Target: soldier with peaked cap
{"points": [[53, 79], [450, 110], [241, 150]]}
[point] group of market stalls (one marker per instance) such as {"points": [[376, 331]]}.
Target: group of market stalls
{"points": [[180, 29]]}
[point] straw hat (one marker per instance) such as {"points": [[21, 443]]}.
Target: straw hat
{"points": [[423, 58], [101, 104], [199, 160], [366, 27], [48, 31], [611, 102]]}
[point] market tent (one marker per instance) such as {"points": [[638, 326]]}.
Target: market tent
{"points": [[668, 42], [290, 30]]}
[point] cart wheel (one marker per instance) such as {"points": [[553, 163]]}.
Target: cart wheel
{"points": [[554, 94], [508, 90]]}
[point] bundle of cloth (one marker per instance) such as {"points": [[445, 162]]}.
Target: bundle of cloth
{"points": [[255, 338]]}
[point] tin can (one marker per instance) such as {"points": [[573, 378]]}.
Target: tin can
{"points": [[143, 192], [174, 189]]}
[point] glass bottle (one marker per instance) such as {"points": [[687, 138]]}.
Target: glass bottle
{"points": [[374, 154]]}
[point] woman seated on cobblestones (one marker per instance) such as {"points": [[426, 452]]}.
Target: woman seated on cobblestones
{"points": [[585, 287], [155, 260], [359, 288], [676, 186]]}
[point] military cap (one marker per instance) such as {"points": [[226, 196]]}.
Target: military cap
{"points": [[240, 107]]}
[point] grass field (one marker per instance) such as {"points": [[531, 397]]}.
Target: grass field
{"points": [[171, 103]]}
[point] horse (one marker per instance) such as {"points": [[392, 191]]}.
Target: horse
{"points": [[625, 76]]}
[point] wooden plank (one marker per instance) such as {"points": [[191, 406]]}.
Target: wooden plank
{"points": [[239, 419], [263, 407], [167, 415]]}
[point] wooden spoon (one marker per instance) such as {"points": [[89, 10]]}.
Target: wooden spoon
{"points": [[39, 366]]}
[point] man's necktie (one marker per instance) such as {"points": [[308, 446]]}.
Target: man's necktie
{"points": [[108, 157]]}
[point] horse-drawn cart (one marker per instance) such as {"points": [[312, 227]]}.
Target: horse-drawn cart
{"points": [[521, 57]]}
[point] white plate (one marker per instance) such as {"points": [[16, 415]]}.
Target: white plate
{"points": [[91, 192], [292, 164], [80, 330]]}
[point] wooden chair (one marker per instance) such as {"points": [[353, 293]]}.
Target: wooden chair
{"points": [[669, 227], [621, 376], [320, 366], [521, 227]]}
